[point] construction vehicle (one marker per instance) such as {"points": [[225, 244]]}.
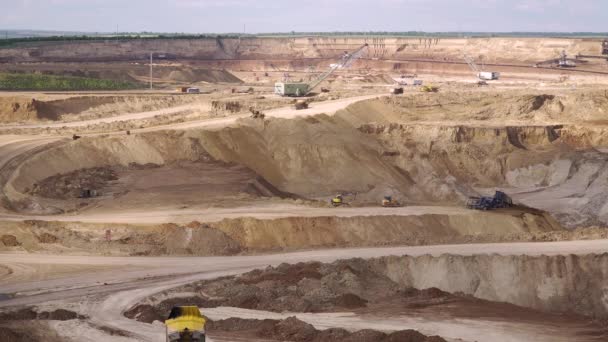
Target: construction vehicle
{"points": [[389, 202], [87, 193], [397, 90], [301, 104], [429, 88], [482, 75], [560, 62], [256, 114], [303, 89], [338, 201], [499, 200], [185, 323]]}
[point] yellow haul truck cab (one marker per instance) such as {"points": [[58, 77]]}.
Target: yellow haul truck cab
{"points": [[185, 324]]}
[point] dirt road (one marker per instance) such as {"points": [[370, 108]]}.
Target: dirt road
{"points": [[217, 214], [328, 107]]}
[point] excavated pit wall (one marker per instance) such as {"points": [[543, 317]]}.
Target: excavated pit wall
{"points": [[493, 49], [569, 283], [315, 157]]}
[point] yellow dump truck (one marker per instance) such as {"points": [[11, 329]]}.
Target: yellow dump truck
{"points": [[185, 324]]}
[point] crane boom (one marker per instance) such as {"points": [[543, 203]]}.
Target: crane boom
{"points": [[346, 61], [471, 63], [303, 89], [481, 75]]}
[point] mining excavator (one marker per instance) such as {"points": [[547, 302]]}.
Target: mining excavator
{"points": [[185, 324], [339, 200], [389, 202], [499, 200], [303, 89]]}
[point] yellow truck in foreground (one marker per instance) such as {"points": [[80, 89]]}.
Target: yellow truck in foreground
{"points": [[185, 324]]}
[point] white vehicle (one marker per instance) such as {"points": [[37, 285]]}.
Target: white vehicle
{"points": [[193, 91], [488, 75]]}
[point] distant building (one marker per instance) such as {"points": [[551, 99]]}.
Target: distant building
{"points": [[605, 47]]}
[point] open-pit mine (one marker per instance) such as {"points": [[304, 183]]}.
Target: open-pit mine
{"points": [[307, 189]]}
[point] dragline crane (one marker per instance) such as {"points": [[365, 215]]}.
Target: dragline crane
{"points": [[481, 75], [303, 89]]}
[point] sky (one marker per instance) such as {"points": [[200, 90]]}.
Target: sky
{"points": [[258, 16]]}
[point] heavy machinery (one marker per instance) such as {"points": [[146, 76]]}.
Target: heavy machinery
{"points": [[303, 89], [499, 200], [561, 62], [396, 91], [88, 193], [389, 202], [256, 114], [338, 201], [185, 324], [429, 88], [482, 75]]}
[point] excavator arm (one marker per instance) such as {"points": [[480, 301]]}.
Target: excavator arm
{"points": [[346, 61]]}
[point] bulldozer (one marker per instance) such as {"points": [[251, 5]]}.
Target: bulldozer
{"points": [[389, 202], [185, 324], [256, 114], [429, 88]]}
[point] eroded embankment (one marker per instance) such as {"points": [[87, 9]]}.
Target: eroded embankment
{"points": [[27, 109], [551, 284], [249, 235], [490, 107]]}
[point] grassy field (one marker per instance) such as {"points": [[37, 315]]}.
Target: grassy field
{"points": [[9, 81]]}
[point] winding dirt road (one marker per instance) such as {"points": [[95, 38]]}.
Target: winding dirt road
{"points": [[132, 279]]}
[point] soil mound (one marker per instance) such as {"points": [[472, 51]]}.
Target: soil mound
{"points": [[545, 283], [293, 329], [303, 287], [9, 240], [29, 314]]}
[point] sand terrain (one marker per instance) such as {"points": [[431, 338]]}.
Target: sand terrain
{"points": [[198, 191]]}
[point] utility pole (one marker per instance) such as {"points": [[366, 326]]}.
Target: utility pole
{"points": [[151, 53]]}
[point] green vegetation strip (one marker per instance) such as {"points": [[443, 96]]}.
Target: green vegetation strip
{"points": [[51, 82]]}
